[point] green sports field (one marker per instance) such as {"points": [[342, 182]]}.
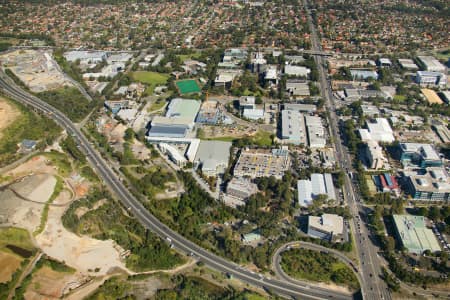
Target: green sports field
{"points": [[188, 86]]}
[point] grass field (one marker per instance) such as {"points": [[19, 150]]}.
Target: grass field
{"points": [[15, 236], [9, 263], [153, 79], [188, 86], [184, 57]]}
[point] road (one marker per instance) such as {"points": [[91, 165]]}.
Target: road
{"points": [[276, 260], [373, 287], [151, 222]]}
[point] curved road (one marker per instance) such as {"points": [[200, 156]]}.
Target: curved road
{"points": [[151, 222], [276, 260]]}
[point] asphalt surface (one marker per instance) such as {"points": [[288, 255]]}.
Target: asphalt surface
{"points": [[180, 243], [276, 260], [373, 287]]}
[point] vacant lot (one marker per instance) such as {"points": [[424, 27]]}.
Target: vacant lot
{"points": [[8, 113], [153, 79]]}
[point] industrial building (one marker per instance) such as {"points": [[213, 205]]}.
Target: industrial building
{"points": [[192, 144], [359, 74], [320, 184], [209, 113], [234, 55], [431, 185], [326, 227], [212, 157], [183, 108], [241, 188], [419, 155], [315, 131], [432, 64], [378, 130], [414, 235], [427, 78], [253, 114], [247, 102], [308, 108], [170, 127], [262, 163], [296, 71], [85, 57], [293, 127], [407, 64], [297, 88]]}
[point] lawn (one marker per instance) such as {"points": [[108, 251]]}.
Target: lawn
{"points": [[188, 86], [262, 138], [157, 104], [400, 98], [184, 57], [153, 79]]}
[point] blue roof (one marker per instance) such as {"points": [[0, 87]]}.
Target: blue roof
{"points": [[167, 131], [28, 144]]}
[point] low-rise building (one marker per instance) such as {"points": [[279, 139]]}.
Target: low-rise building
{"points": [[241, 188], [173, 154], [253, 113], [359, 74], [377, 130], [432, 64], [308, 108], [297, 88], [316, 132], [433, 185], [408, 64], [212, 157], [320, 184], [296, 71], [426, 78], [85, 57], [328, 227], [293, 127], [413, 234]]}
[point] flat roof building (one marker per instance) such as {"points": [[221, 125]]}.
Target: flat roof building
{"points": [[315, 131], [434, 185], [241, 188], [432, 64], [297, 71], [375, 157], [414, 235], [408, 64], [308, 108], [183, 108], [293, 127], [212, 157], [320, 184], [419, 155], [431, 96], [297, 88], [427, 78], [85, 57], [378, 130], [262, 163], [253, 113], [328, 227]]}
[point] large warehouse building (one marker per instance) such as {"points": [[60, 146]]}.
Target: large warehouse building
{"points": [[414, 235]]}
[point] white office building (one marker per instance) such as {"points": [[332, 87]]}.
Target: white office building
{"points": [[432, 64]]}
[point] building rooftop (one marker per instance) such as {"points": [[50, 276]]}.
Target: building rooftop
{"points": [[414, 235], [213, 155], [293, 127], [329, 223], [431, 96], [183, 108]]}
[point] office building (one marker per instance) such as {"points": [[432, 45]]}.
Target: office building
{"points": [[432, 64], [419, 155], [212, 157], [427, 78], [433, 185], [241, 188], [378, 130], [328, 227]]}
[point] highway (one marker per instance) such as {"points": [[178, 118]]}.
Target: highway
{"points": [[373, 286], [180, 243]]}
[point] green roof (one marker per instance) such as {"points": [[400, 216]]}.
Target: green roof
{"points": [[415, 236]]}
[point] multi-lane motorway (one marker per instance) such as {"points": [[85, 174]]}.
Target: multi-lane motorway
{"points": [[373, 287], [151, 222]]}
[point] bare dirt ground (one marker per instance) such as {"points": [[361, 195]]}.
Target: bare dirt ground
{"points": [[36, 164], [9, 263], [22, 203], [49, 284], [80, 252], [231, 132], [8, 113]]}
